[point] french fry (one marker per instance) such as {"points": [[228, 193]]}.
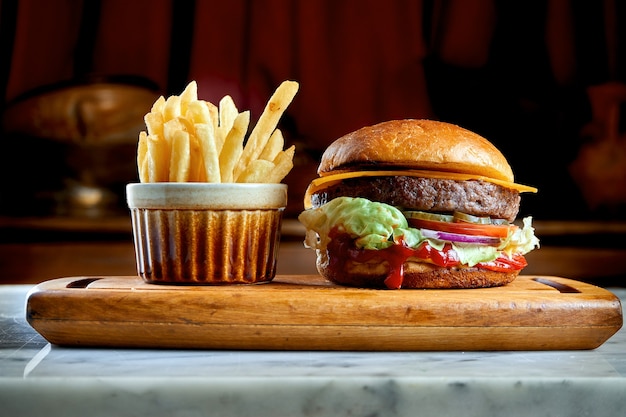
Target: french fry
{"points": [[154, 123], [227, 113], [266, 124], [214, 113], [171, 110], [197, 172], [151, 165], [274, 145], [188, 139], [180, 157], [233, 146], [189, 95], [206, 138], [283, 163], [172, 126], [142, 154], [257, 171], [158, 105], [198, 112], [144, 171], [160, 155]]}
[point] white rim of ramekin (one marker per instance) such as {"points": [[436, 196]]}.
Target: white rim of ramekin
{"points": [[212, 196]]}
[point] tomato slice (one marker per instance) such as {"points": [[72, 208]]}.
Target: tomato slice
{"points": [[462, 228], [505, 263], [447, 257]]}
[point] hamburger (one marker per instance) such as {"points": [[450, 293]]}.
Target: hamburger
{"points": [[416, 204]]}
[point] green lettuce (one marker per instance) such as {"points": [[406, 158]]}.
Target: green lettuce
{"points": [[376, 226]]}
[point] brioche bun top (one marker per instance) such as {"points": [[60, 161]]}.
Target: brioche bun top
{"points": [[416, 144]]}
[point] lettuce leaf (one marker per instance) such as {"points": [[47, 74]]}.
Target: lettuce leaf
{"points": [[376, 226]]}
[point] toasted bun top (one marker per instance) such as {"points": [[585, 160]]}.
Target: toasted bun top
{"points": [[416, 144]]}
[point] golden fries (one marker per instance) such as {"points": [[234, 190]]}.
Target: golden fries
{"points": [[180, 157], [274, 145], [192, 140], [266, 124], [142, 157], [283, 164], [206, 136], [233, 146]]}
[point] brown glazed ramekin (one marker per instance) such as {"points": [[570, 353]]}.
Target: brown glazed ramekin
{"points": [[206, 233]]}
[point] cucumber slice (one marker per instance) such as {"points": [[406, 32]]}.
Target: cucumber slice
{"points": [[428, 216], [468, 218]]}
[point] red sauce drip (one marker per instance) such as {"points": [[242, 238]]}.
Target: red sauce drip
{"points": [[342, 248]]}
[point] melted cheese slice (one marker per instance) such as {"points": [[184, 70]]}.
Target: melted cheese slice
{"points": [[329, 180]]}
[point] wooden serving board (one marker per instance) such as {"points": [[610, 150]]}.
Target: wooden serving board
{"points": [[305, 312]]}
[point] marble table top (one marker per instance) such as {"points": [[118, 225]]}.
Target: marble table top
{"points": [[37, 378]]}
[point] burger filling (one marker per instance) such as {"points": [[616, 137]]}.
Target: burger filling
{"points": [[357, 227]]}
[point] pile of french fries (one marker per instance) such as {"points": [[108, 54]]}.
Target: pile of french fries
{"points": [[192, 140]]}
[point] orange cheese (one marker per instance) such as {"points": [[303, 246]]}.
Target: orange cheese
{"points": [[328, 180]]}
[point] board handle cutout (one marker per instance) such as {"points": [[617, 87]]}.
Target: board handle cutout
{"points": [[562, 288], [82, 283]]}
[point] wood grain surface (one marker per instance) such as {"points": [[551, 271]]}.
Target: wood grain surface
{"points": [[305, 312]]}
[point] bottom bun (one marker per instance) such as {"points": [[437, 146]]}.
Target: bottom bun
{"points": [[416, 274]]}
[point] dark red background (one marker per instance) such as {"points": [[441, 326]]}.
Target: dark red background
{"points": [[515, 72]]}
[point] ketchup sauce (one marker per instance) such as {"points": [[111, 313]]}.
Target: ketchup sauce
{"points": [[342, 248]]}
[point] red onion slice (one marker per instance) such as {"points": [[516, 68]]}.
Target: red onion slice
{"points": [[456, 237]]}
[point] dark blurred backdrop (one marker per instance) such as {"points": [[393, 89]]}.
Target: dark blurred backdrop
{"points": [[541, 79]]}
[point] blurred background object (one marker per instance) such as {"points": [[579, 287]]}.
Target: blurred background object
{"points": [[76, 144], [600, 167], [517, 73], [520, 74], [542, 80]]}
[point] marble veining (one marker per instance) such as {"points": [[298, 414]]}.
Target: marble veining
{"points": [[37, 378]]}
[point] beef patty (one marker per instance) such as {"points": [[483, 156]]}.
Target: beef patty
{"points": [[479, 198]]}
